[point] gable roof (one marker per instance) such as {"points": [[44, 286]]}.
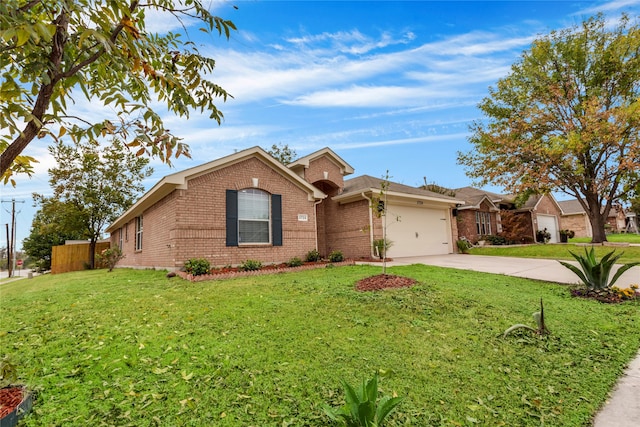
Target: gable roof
{"points": [[180, 181], [474, 197], [355, 187], [303, 162], [571, 207]]}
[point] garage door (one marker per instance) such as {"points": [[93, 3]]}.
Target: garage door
{"points": [[419, 231], [551, 224]]}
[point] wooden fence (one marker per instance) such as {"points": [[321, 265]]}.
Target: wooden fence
{"points": [[74, 257]]}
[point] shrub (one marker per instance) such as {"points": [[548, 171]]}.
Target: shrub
{"points": [[595, 274], [313, 256], [494, 240], [250, 265], [543, 236], [362, 408], [294, 262], [381, 246], [463, 245], [197, 266], [110, 257], [336, 256]]}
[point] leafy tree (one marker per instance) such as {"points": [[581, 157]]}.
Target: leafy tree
{"points": [[53, 50], [566, 118], [100, 182], [54, 222], [283, 153]]}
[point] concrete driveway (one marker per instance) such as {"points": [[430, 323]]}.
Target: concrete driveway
{"points": [[530, 268]]}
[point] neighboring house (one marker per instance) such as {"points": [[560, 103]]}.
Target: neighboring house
{"points": [[480, 214], [545, 213], [575, 218], [250, 206]]}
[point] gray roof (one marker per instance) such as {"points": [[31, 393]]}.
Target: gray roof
{"points": [[366, 182], [571, 207]]}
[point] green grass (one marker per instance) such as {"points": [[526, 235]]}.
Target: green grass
{"points": [[135, 348], [556, 251], [620, 238]]}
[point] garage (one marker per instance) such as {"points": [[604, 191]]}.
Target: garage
{"points": [[550, 222], [417, 231]]}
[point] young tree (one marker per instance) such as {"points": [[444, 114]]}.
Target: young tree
{"points": [[100, 182], [54, 50], [54, 222], [567, 118]]}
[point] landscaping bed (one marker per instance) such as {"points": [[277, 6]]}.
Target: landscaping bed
{"points": [[231, 272]]}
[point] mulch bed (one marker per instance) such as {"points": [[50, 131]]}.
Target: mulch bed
{"points": [[231, 272], [384, 281], [10, 398], [607, 297]]}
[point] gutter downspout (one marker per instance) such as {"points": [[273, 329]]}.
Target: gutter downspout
{"points": [[370, 226], [315, 219]]}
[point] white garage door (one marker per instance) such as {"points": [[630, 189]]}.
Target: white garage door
{"points": [[418, 231], [551, 224]]}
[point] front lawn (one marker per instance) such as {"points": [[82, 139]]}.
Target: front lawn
{"points": [[557, 251], [135, 348], [618, 237]]}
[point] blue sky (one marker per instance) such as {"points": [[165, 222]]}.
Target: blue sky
{"points": [[387, 85]]}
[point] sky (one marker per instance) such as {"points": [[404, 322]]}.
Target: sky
{"points": [[387, 85]]}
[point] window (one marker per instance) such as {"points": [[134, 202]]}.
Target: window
{"points": [[120, 239], [139, 233], [483, 223], [253, 217], [126, 232]]}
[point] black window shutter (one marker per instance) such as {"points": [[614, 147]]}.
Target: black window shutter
{"points": [[276, 219], [232, 218]]}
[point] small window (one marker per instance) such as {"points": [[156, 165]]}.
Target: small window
{"points": [[483, 223], [253, 216], [126, 232], [139, 233], [120, 239]]}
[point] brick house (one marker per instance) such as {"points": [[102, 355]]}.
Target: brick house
{"points": [[480, 214], [250, 206], [575, 218]]}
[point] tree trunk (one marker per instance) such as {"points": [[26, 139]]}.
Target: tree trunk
{"points": [[92, 253], [598, 220]]}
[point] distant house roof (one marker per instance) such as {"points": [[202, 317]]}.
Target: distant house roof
{"points": [[571, 207], [353, 188], [473, 197]]}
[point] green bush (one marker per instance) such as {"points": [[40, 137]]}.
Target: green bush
{"points": [[463, 245], [197, 266], [250, 265], [294, 262], [313, 256], [110, 257], [494, 240], [336, 256]]}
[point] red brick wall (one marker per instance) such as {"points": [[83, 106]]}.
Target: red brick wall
{"points": [[315, 172], [191, 223], [466, 222]]}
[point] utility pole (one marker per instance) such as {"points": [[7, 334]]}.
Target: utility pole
{"points": [[11, 249]]}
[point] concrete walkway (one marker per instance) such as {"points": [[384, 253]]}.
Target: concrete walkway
{"points": [[622, 409]]}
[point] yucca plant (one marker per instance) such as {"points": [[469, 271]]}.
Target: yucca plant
{"points": [[595, 274], [538, 316], [361, 408]]}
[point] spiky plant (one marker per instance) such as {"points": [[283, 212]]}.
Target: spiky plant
{"points": [[595, 274]]}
